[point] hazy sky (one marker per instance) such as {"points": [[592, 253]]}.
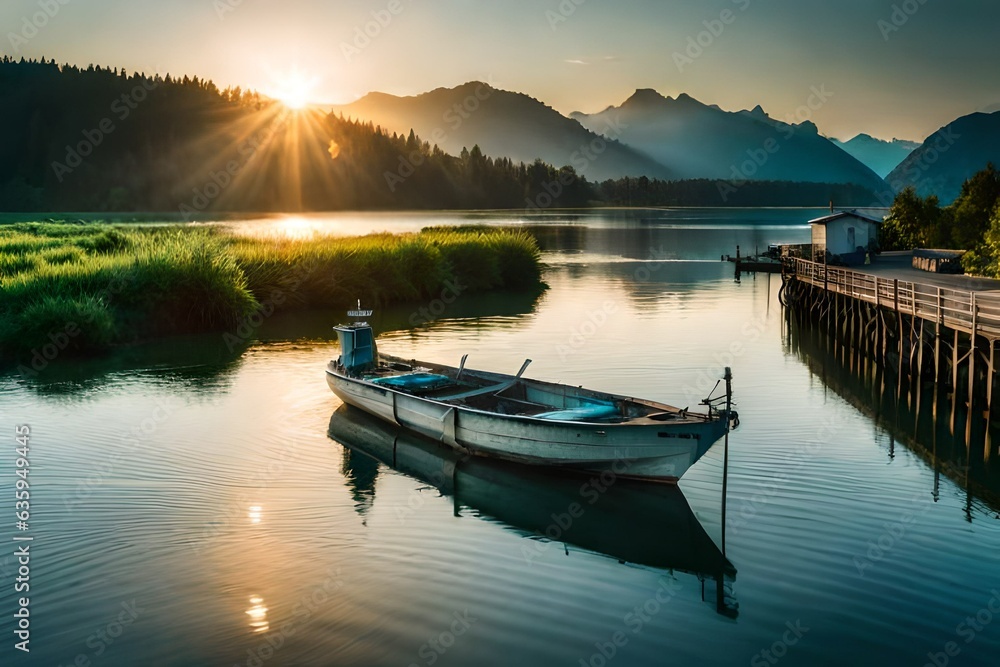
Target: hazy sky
{"points": [[901, 78]]}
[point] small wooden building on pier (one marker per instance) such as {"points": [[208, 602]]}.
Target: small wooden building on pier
{"points": [[848, 236]]}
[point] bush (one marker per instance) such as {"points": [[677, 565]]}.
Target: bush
{"points": [[123, 283]]}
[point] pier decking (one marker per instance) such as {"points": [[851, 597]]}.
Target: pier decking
{"points": [[925, 326], [964, 303]]}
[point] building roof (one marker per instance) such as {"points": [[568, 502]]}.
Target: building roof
{"points": [[844, 214]]}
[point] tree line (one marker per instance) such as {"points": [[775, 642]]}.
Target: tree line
{"points": [[971, 222], [105, 139]]}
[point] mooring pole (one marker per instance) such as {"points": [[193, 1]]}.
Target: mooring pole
{"points": [[728, 377]]}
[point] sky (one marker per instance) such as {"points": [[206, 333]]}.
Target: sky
{"points": [[889, 68]]}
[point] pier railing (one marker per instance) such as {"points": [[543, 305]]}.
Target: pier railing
{"points": [[962, 310]]}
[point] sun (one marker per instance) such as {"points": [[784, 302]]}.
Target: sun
{"points": [[294, 99], [294, 90]]}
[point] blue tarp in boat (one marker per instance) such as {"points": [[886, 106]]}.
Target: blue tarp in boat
{"points": [[582, 413], [425, 381]]}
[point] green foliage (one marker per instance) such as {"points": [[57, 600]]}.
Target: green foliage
{"points": [[184, 145], [970, 213], [984, 260], [971, 223], [911, 222], [119, 283], [89, 324]]}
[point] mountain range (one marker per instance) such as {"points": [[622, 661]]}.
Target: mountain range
{"points": [[505, 124], [472, 146], [879, 155], [695, 140], [681, 138], [647, 135]]}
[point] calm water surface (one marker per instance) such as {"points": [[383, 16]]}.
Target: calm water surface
{"points": [[195, 506]]}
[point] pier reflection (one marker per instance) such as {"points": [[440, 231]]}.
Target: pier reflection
{"points": [[643, 524], [914, 412]]}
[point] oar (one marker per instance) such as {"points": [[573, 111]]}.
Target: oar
{"points": [[511, 383], [461, 367], [494, 389]]}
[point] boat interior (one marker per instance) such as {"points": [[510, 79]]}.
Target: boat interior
{"points": [[513, 395], [494, 392]]}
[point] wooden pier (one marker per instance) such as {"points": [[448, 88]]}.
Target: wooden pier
{"points": [[912, 415], [927, 332]]}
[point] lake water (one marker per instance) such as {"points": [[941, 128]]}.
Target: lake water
{"points": [[190, 507]]}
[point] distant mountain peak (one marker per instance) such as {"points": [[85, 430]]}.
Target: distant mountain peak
{"points": [[808, 126], [879, 155], [687, 99], [644, 96], [864, 138], [473, 85]]}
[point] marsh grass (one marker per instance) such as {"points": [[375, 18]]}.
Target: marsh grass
{"points": [[119, 284]]}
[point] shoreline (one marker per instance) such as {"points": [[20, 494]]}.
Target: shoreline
{"points": [[87, 288]]}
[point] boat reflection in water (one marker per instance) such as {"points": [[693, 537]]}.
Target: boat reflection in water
{"points": [[645, 524]]}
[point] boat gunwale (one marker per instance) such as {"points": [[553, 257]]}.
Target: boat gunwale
{"points": [[690, 418]]}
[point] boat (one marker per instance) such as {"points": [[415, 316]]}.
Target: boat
{"points": [[523, 420], [646, 525]]}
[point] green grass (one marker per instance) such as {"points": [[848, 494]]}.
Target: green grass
{"points": [[119, 284]]}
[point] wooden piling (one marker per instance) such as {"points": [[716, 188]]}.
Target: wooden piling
{"points": [[862, 313]]}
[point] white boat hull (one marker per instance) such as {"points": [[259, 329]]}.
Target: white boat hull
{"points": [[660, 451]]}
